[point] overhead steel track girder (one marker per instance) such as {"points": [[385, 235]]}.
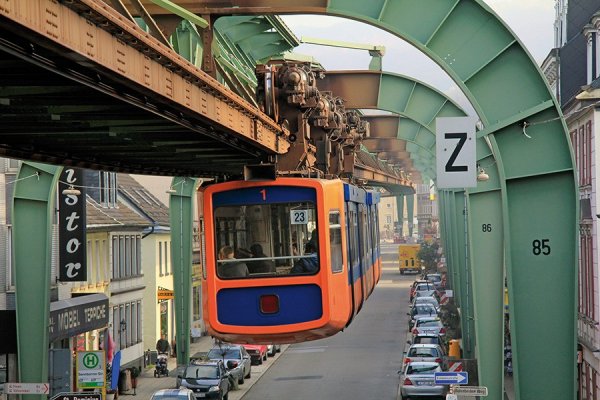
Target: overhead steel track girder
{"points": [[379, 173], [120, 60], [418, 103], [537, 193]]}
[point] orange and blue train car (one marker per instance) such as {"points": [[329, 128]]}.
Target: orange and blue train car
{"points": [[286, 260]]}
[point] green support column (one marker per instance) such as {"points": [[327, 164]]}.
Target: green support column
{"points": [[445, 235], [410, 208], [33, 212], [181, 206], [466, 286], [400, 211], [487, 272], [455, 259]]}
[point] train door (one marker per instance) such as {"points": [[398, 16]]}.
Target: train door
{"points": [[354, 268], [363, 246], [376, 245]]}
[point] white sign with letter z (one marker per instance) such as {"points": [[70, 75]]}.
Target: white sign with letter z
{"points": [[456, 163]]}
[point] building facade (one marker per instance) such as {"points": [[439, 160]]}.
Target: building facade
{"points": [[575, 67]]}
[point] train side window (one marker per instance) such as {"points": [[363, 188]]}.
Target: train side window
{"points": [[335, 241]]}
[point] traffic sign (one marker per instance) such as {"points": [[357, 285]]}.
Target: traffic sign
{"points": [[77, 396], [451, 378], [470, 390], [456, 164], [26, 388], [90, 369]]}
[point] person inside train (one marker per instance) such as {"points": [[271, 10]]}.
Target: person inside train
{"points": [[230, 269], [260, 266], [307, 265]]}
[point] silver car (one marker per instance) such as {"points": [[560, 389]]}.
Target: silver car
{"points": [[420, 311], [235, 358], [425, 352], [425, 289], [426, 300], [418, 380], [429, 325], [272, 349]]}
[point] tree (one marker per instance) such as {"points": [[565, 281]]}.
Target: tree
{"points": [[429, 256]]}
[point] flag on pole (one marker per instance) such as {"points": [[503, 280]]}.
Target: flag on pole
{"points": [[109, 347], [115, 369]]}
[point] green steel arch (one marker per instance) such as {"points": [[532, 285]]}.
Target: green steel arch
{"points": [[504, 85]]}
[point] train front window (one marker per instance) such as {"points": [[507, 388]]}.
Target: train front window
{"points": [[262, 240]]}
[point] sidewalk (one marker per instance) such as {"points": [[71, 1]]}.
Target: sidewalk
{"points": [[147, 384]]}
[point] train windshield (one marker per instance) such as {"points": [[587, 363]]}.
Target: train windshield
{"points": [[262, 240]]}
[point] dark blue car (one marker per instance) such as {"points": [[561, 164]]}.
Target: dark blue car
{"points": [[207, 379]]}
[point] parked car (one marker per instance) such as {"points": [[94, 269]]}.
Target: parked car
{"points": [[258, 352], [426, 300], [207, 379], [419, 311], [429, 338], [414, 286], [173, 394], [235, 358], [426, 352], [272, 349], [436, 279], [418, 379], [425, 289], [429, 325]]}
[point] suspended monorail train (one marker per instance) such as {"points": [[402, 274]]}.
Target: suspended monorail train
{"points": [[287, 260]]}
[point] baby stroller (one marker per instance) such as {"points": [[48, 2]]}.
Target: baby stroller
{"points": [[161, 365]]}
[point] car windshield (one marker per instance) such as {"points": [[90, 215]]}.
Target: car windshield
{"points": [[424, 309], [422, 369], [224, 353], [423, 293], [429, 323], [426, 340], [425, 286], [201, 372], [423, 352]]}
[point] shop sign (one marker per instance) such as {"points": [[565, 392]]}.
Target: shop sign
{"points": [[71, 317], [72, 226], [164, 294]]}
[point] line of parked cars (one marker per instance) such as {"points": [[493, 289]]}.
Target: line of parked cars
{"points": [[427, 353], [221, 370]]}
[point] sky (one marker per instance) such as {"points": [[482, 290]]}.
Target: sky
{"points": [[531, 20]]}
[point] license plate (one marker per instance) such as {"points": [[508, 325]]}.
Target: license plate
{"points": [[200, 394], [424, 383]]}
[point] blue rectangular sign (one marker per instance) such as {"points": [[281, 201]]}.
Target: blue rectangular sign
{"points": [[451, 378]]}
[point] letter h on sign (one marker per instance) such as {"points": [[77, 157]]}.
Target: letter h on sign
{"points": [[72, 227]]}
